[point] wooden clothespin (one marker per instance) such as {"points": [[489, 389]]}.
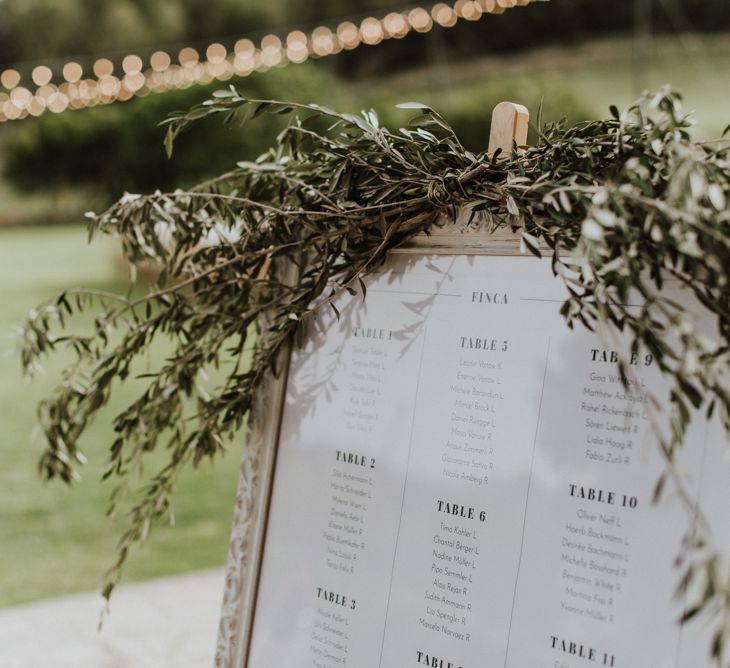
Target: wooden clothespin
{"points": [[509, 125]]}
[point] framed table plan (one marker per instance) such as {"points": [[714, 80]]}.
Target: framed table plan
{"points": [[445, 475]]}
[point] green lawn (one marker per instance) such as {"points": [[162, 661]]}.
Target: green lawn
{"points": [[57, 540], [581, 80]]}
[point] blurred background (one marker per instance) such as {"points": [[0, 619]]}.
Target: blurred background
{"points": [[83, 87]]}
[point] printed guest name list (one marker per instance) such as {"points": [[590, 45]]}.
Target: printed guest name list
{"points": [[461, 481]]}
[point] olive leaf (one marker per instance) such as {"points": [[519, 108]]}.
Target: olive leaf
{"points": [[621, 205]]}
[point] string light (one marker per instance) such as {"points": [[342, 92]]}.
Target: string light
{"points": [[371, 30], [395, 25], [10, 79], [41, 75], [103, 68], [132, 64], [133, 80], [72, 72], [296, 46], [348, 34], [244, 47], [323, 42], [160, 61], [188, 57], [216, 53], [420, 20], [271, 54]]}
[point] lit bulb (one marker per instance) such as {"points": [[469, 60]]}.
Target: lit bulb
{"points": [[132, 64], [244, 47], [348, 34], [41, 75], [103, 67], [323, 41], [20, 97], [188, 57], [134, 82], [72, 72], [443, 15], [216, 53], [109, 86], [395, 25], [270, 44], [371, 31], [243, 64], [159, 61], [58, 104], [420, 20], [10, 79]]}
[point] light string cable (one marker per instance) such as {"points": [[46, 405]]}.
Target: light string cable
{"points": [[69, 86]]}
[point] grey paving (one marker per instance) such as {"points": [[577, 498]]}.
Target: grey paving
{"points": [[164, 623]]}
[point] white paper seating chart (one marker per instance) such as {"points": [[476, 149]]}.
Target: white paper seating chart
{"points": [[463, 482]]}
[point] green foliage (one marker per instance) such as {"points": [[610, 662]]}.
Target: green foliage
{"points": [[61, 29], [119, 147], [57, 541], [620, 205], [29, 28], [468, 109], [558, 22]]}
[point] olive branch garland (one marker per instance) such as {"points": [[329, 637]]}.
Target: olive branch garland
{"points": [[621, 205]]}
